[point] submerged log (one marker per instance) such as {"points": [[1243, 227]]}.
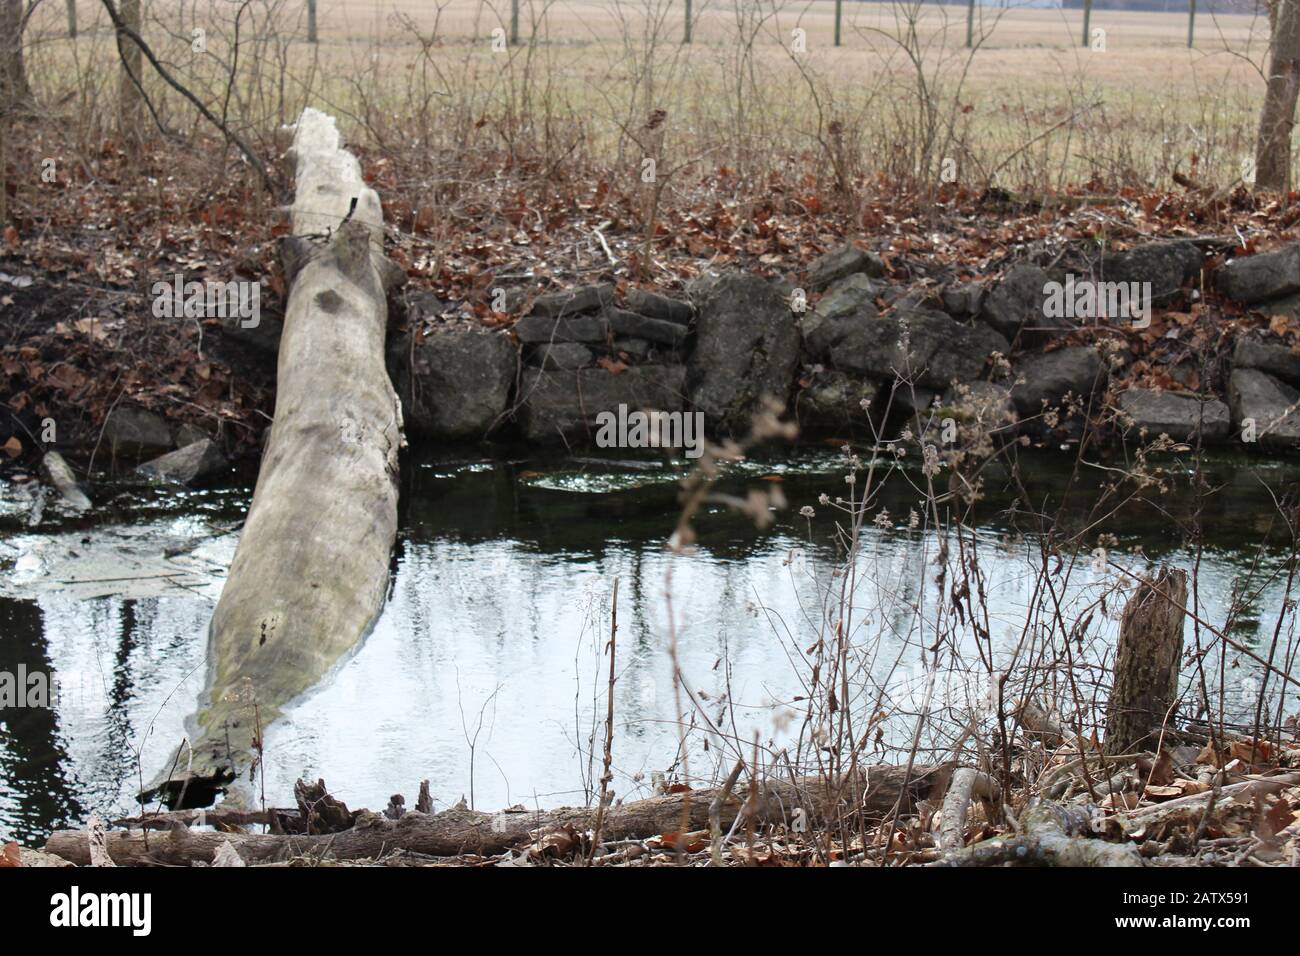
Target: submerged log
{"points": [[458, 830], [310, 574], [1146, 662]]}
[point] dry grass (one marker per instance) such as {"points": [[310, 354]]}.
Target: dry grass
{"points": [[1030, 107]]}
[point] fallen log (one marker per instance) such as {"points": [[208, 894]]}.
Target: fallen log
{"points": [[458, 830], [1050, 835], [1255, 786], [967, 784], [311, 571]]}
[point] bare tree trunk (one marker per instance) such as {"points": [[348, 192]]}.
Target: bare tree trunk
{"points": [[13, 72], [130, 99], [15, 94], [72, 18], [1276, 119], [1146, 662]]}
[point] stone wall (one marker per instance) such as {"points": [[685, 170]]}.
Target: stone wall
{"points": [[855, 347]]}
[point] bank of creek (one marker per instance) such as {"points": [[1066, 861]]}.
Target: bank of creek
{"points": [[1027, 475]]}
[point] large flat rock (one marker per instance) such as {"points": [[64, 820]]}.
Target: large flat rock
{"points": [[1046, 378], [1166, 265], [847, 303], [560, 406], [1258, 278], [1264, 409], [929, 348], [1275, 358], [457, 384], [1183, 417], [746, 348], [841, 262]]}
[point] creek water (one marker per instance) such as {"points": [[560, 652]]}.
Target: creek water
{"points": [[485, 674]]}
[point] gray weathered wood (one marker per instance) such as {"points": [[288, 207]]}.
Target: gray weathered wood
{"points": [[60, 476], [874, 793], [311, 571]]}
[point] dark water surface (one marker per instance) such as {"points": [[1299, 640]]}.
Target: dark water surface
{"points": [[485, 673]]}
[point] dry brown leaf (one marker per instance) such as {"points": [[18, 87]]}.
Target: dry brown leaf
{"points": [[1158, 771], [13, 447], [1280, 815], [1120, 801], [11, 856], [1158, 793], [692, 842], [1241, 750]]}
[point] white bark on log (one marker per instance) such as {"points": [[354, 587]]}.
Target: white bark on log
{"points": [[311, 571], [1051, 835], [1256, 786], [61, 477], [966, 784]]}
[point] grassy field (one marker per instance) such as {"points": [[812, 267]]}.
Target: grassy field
{"points": [[901, 97]]}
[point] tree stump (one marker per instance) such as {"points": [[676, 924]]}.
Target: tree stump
{"points": [[1146, 662]]}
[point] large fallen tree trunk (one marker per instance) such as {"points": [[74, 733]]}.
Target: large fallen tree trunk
{"points": [[311, 571], [456, 831]]}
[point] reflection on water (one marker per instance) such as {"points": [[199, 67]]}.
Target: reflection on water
{"points": [[485, 673]]}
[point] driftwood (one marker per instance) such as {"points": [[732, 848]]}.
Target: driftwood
{"points": [[1050, 835], [311, 571], [458, 830], [213, 816], [967, 783], [1146, 662], [60, 476]]}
